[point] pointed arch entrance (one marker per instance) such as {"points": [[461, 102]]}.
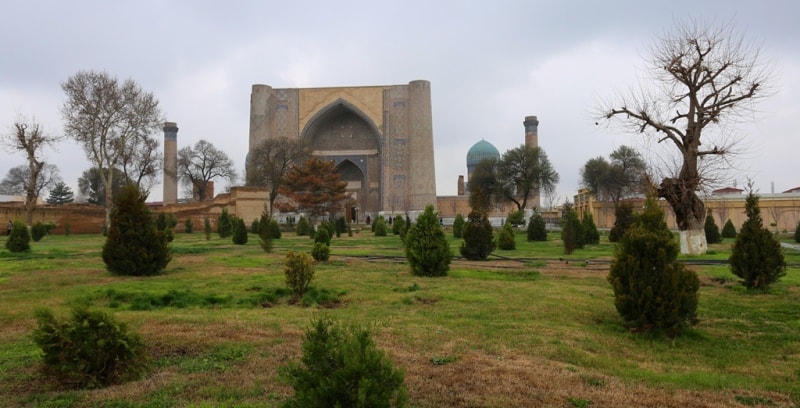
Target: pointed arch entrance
{"points": [[343, 134]]}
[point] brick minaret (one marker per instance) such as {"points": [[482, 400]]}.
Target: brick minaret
{"points": [[170, 163]]}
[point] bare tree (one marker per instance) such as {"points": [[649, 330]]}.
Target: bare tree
{"points": [[141, 162], [706, 77], [27, 136], [199, 165], [270, 161], [108, 118], [18, 178]]}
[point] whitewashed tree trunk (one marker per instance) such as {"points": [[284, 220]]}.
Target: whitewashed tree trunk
{"points": [[693, 242]]}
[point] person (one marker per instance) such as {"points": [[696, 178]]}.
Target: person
{"points": [[9, 227]]}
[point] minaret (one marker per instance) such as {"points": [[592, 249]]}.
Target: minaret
{"points": [[170, 163], [531, 131]]}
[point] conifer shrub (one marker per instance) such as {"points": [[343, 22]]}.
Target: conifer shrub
{"points": [[652, 290], [343, 368], [398, 225], [572, 234], [89, 350], [341, 226], [38, 231], [207, 228], [478, 236], [20, 239], [516, 218], [255, 226], [265, 239], [161, 221], [756, 256], [67, 229], [728, 230], [328, 225], [239, 231], [537, 229], [303, 226], [458, 226], [623, 219], [169, 234], [712, 230], [323, 236], [505, 238], [320, 252], [591, 236], [299, 271], [133, 245], [379, 227], [224, 224], [188, 226], [797, 233], [274, 229], [427, 250]]}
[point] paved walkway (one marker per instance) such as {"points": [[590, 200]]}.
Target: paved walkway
{"points": [[791, 246]]}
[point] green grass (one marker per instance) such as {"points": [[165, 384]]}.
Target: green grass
{"points": [[219, 322]]}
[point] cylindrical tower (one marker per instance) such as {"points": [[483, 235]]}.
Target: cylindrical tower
{"points": [[421, 168], [531, 131], [170, 163], [259, 113]]}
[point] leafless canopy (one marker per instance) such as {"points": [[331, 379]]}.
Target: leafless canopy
{"points": [[199, 165], [704, 79], [109, 119], [270, 161]]}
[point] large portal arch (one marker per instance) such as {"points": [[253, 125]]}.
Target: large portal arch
{"points": [[343, 134]]}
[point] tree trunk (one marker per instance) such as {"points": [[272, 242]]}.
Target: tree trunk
{"points": [[689, 215]]}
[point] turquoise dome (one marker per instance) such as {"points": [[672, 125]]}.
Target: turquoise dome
{"points": [[479, 151]]}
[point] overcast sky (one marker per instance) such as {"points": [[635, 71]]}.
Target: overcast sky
{"points": [[490, 64]]}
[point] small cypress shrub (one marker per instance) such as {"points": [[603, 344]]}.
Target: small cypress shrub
{"points": [[66, 229], [728, 230], [505, 238], [161, 221], [274, 229], [224, 224], [379, 227], [427, 250], [341, 226], [652, 290], [239, 231], [133, 245], [591, 235], [172, 221], [299, 271], [265, 239], [571, 231], [207, 228], [712, 231], [623, 219], [169, 234], [188, 226], [756, 256], [537, 229], [38, 231], [90, 350], [797, 233], [398, 225], [255, 226], [478, 236], [322, 236], [303, 227], [458, 226], [320, 252], [19, 240], [516, 218], [342, 368]]}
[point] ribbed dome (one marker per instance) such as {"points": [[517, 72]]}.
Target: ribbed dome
{"points": [[479, 151]]}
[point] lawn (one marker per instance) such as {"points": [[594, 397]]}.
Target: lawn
{"points": [[529, 327]]}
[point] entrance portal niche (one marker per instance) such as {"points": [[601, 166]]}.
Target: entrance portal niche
{"points": [[342, 134]]}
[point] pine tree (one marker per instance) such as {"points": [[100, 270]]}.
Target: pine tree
{"points": [[505, 238], [60, 194], [728, 231], [19, 240], [239, 231], [590, 233], [478, 236], [133, 245], [458, 227], [207, 228], [712, 231], [571, 231], [427, 250], [757, 256], [224, 224], [537, 229], [623, 219], [652, 290]]}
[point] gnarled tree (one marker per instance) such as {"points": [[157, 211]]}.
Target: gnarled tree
{"points": [[270, 161], [199, 165], [27, 136], [705, 76]]}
